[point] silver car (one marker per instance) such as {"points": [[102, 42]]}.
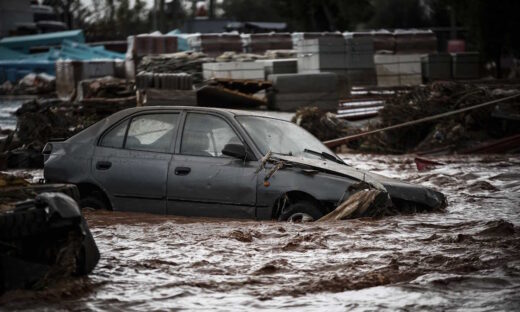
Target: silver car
{"points": [[211, 162]]}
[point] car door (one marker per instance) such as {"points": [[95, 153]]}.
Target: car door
{"points": [[204, 182], [132, 158]]}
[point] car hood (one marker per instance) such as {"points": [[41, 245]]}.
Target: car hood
{"points": [[395, 188]]}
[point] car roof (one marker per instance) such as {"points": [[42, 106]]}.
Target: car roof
{"points": [[225, 111]]}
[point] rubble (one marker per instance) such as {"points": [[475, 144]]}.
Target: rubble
{"points": [[40, 121], [106, 87], [31, 84], [231, 56], [280, 54], [321, 124], [182, 62], [452, 133]]}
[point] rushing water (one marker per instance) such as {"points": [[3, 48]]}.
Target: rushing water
{"points": [[467, 258]]}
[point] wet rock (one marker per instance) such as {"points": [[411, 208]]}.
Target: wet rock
{"points": [[271, 267], [482, 186], [241, 236], [498, 228]]}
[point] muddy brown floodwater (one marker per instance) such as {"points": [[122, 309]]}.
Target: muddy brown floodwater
{"points": [[467, 258]]}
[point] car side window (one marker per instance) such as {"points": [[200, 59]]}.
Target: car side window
{"points": [[115, 137], [152, 132], [206, 135]]}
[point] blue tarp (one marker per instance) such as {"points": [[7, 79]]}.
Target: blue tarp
{"points": [[8, 54], [182, 41], [15, 65], [24, 43]]}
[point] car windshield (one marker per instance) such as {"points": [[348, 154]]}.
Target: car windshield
{"points": [[283, 137]]}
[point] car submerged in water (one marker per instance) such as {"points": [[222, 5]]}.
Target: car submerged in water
{"points": [[210, 162]]}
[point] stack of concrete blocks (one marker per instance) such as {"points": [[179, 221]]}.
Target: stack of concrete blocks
{"points": [[322, 55], [260, 43], [384, 40], [436, 66], [215, 44], [279, 66], [142, 45], [465, 65], [233, 70], [293, 91], [360, 62], [398, 69], [70, 73], [169, 89], [298, 37], [352, 59], [415, 41]]}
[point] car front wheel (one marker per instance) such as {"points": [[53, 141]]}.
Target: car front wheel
{"points": [[93, 202], [301, 211]]}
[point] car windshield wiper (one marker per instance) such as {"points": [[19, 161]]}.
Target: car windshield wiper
{"points": [[324, 155]]}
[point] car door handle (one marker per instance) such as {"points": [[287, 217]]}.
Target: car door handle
{"points": [[182, 170], [103, 165]]}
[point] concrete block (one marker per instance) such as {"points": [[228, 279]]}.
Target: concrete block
{"points": [[357, 60], [465, 65], [280, 66], [436, 66], [322, 45], [298, 83], [388, 81], [233, 70], [321, 61], [410, 80], [360, 45], [361, 77]]}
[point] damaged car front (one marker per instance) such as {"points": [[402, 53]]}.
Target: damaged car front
{"points": [[209, 162], [314, 181]]}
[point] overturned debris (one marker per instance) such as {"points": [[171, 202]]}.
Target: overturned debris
{"points": [[43, 241], [364, 203]]}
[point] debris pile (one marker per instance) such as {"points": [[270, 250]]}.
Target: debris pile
{"points": [[238, 57], [39, 121], [31, 84], [107, 87], [452, 133], [321, 124], [43, 241], [181, 62]]}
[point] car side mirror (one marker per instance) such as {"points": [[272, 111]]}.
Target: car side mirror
{"points": [[235, 150]]}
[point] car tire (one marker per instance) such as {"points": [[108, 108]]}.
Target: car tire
{"points": [[94, 202], [301, 211]]}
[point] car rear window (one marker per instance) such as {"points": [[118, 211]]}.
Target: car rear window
{"points": [[150, 132], [115, 137]]}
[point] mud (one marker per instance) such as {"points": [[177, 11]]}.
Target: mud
{"points": [[465, 258]]}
